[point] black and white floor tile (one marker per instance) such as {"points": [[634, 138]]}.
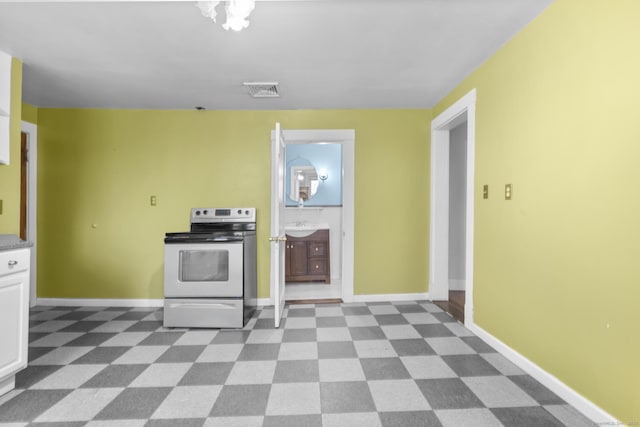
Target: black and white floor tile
{"points": [[342, 365]]}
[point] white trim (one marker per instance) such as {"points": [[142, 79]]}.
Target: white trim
{"points": [[569, 395], [390, 297], [348, 216], [32, 189], [439, 223], [264, 302], [98, 302], [347, 138], [462, 110]]}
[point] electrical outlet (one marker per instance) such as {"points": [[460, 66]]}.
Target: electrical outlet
{"points": [[508, 191], [485, 191], [154, 200]]}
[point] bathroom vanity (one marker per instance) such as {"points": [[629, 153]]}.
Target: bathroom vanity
{"points": [[307, 256], [14, 308]]}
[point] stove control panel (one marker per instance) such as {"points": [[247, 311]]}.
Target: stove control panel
{"points": [[212, 215]]}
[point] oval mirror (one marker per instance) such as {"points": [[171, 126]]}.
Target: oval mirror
{"points": [[303, 180]]}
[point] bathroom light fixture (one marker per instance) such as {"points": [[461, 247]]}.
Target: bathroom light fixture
{"points": [[237, 12], [323, 175]]}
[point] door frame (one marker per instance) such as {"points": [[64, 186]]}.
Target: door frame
{"points": [[32, 180], [345, 137], [462, 110]]}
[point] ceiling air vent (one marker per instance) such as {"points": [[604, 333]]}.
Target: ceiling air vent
{"points": [[262, 89]]}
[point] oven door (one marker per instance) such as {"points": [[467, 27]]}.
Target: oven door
{"points": [[203, 269]]}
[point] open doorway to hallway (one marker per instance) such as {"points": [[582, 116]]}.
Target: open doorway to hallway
{"points": [[451, 211], [457, 223]]}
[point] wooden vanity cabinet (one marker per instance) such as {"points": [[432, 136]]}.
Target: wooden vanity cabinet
{"points": [[307, 258]]}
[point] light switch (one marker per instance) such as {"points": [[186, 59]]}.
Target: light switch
{"points": [[154, 201], [485, 191], [508, 191]]}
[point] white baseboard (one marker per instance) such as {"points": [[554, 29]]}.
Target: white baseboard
{"points": [[263, 302], [572, 397], [390, 297], [97, 302]]}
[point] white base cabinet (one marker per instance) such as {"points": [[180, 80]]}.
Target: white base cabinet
{"points": [[14, 315]]}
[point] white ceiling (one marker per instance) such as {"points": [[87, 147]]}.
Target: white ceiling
{"points": [[323, 54]]}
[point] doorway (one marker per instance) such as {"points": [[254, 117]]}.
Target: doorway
{"points": [[343, 216], [452, 202], [28, 198]]}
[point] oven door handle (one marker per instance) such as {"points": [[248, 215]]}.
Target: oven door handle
{"points": [[202, 305]]}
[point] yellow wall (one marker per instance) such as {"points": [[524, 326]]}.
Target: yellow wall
{"points": [[556, 269], [29, 113], [101, 167], [10, 174]]}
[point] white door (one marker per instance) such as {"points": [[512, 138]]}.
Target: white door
{"points": [[277, 238]]}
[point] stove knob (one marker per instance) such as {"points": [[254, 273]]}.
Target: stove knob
{"points": [[246, 212], [197, 212], [205, 211], [239, 211]]}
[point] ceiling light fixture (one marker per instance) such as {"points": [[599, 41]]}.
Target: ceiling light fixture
{"points": [[237, 12]]}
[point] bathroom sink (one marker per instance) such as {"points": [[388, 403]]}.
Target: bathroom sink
{"points": [[304, 229]]}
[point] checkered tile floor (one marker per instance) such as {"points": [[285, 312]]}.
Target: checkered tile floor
{"points": [[376, 364]]}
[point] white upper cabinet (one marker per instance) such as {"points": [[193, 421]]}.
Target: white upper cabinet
{"points": [[5, 106], [5, 84]]}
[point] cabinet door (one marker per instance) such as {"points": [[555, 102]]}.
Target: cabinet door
{"points": [[298, 259], [13, 323]]}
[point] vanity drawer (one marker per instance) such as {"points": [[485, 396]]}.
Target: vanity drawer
{"points": [[318, 266], [317, 249]]}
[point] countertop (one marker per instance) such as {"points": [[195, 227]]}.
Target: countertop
{"points": [[11, 241]]}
